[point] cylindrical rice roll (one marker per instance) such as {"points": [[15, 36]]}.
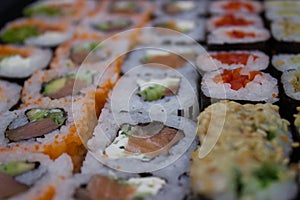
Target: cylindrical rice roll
{"points": [[10, 94], [90, 51], [95, 185], [115, 133], [21, 62], [297, 120], [277, 10], [140, 9], [62, 10], [238, 38], [31, 176], [180, 8], [291, 83], [141, 89], [61, 84], [254, 139], [238, 19], [236, 6], [285, 62], [168, 30], [179, 57], [36, 32], [253, 60], [240, 84], [44, 127], [108, 25]]}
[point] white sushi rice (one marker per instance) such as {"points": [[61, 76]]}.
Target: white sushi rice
{"points": [[220, 36], [125, 98], [190, 7], [195, 31], [206, 63], [262, 88], [50, 174], [18, 67], [50, 38], [255, 19], [286, 30], [108, 127], [286, 79], [9, 95], [285, 62]]}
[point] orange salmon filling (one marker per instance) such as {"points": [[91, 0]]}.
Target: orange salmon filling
{"points": [[228, 20], [6, 50], [233, 58], [240, 34], [235, 78], [236, 6]]}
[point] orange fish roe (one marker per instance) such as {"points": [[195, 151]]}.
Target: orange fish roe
{"points": [[47, 195], [240, 34], [235, 78], [232, 20], [233, 57], [238, 5]]}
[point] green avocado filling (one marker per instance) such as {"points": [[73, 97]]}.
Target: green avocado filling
{"points": [[43, 10], [153, 93], [56, 115], [16, 167], [266, 174], [85, 47], [296, 82], [121, 6], [54, 86], [113, 25], [288, 13], [19, 34], [295, 59]]}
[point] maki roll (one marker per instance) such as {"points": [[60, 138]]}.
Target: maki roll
{"points": [[297, 120], [253, 60], [10, 94], [21, 62], [256, 142], [235, 6], [36, 32], [287, 35], [240, 84], [285, 62], [277, 10], [141, 9], [136, 138], [291, 83], [180, 8], [31, 176], [175, 93], [66, 10], [108, 25], [232, 19], [170, 30], [242, 38], [61, 84]]}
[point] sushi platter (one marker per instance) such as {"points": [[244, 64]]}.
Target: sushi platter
{"points": [[150, 99]]}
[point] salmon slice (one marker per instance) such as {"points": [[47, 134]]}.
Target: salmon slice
{"points": [[170, 60]]}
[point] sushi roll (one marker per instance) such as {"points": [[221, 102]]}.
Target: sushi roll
{"points": [[123, 138], [240, 38], [31, 176], [10, 94], [180, 8], [21, 62], [89, 51], [141, 90], [244, 20], [278, 10], [285, 62], [287, 35], [178, 57], [36, 32], [236, 6], [61, 84], [240, 84], [168, 30], [254, 139], [297, 120], [141, 9], [291, 83], [108, 25], [253, 60], [68, 10]]}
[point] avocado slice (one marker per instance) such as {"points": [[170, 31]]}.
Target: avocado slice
{"points": [[43, 10], [54, 86], [19, 34], [17, 167], [57, 115]]}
